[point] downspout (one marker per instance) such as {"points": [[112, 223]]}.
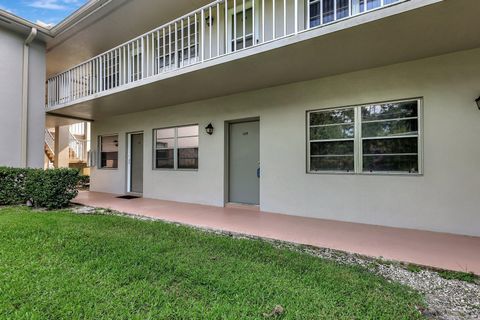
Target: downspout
{"points": [[24, 124]]}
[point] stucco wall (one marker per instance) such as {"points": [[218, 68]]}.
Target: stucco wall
{"points": [[445, 198], [11, 72]]}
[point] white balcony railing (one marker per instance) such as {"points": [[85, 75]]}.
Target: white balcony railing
{"points": [[78, 147], [218, 29]]}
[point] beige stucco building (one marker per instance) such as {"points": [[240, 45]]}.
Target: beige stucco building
{"points": [[360, 111]]}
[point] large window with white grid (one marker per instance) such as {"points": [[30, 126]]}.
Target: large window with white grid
{"points": [[373, 138]]}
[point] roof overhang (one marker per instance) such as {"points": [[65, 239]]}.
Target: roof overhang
{"points": [[22, 26]]}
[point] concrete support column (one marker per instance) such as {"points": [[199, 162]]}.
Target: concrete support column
{"points": [[62, 139]]}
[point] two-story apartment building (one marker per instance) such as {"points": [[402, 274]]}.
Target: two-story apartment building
{"points": [[351, 110]]}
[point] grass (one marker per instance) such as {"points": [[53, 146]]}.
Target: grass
{"points": [[60, 265], [456, 275], [414, 268]]}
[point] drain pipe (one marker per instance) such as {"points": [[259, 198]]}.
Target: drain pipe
{"points": [[24, 125]]}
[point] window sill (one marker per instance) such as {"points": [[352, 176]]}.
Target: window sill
{"points": [[175, 170], [390, 174]]}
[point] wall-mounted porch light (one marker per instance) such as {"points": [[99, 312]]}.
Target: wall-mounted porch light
{"points": [[478, 102], [207, 20], [209, 129]]}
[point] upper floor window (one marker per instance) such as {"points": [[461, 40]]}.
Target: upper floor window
{"points": [[108, 152], [241, 25], [179, 46], [375, 138], [176, 148], [325, 11], [111, 70]]}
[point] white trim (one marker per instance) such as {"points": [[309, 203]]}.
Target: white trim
{"points": [[129, 160], [99, 147], [175, 147], [232, 25], [358, 139]]}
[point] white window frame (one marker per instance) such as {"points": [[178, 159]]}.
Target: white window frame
{"points": [[175, 148], [100, 138], [358, 140], [233, 12]]}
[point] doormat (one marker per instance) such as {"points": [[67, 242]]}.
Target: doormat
{"points": [[128, 197]]}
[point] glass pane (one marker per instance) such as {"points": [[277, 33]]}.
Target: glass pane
{"points": [[372, 4], [407, 164], [332, 132], [165, 143], [390, 128], [188, 131], [332, 117], [328, 11], [248, 43], [165, 133], [190, 142], [314, 14], [331, 148], [248, 22], [331, 164], [109, 152], [342, 9], [188, 158], [109, 144], [164, 159], [386, 146], [358, 6], [390, 111]]}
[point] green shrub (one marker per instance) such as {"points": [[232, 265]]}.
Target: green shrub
{"points": [[51, 189], [12, 186]]}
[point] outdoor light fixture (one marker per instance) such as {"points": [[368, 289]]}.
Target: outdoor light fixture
{"points": [[478, 102], [207, 20], [209, 129]]}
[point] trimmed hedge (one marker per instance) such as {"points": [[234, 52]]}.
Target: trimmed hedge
{"points": [[51, 189]]}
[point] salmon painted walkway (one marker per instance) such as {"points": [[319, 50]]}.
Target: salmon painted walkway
{"points": [[441, 250]]}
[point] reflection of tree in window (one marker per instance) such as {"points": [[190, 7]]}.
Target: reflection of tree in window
{"points": [[390, 137], [332, 136]]}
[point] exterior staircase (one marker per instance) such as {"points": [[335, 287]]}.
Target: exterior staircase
{"points": [[77, 149], [49, 153], [49, 148]]}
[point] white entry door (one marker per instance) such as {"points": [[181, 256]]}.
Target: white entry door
{"points": [[135, 163]]}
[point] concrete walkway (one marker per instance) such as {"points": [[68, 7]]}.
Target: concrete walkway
{"points": [[441, 250]]}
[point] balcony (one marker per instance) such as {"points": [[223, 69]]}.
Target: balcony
{"points": [[217, 30]]}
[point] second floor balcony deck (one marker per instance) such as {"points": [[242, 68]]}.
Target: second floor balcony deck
{"points": [[217, 30]]}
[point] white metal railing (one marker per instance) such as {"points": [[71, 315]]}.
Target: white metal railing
{"points": [[79, 148], [217, 29], [50, 141], [77, 129]]}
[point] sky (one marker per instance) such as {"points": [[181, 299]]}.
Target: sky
{"points": [[46, 13]]}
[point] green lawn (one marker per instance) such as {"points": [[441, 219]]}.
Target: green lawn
{"points": [[59, 265]]}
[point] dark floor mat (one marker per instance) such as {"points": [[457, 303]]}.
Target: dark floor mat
{"points": [[128, 197]]}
